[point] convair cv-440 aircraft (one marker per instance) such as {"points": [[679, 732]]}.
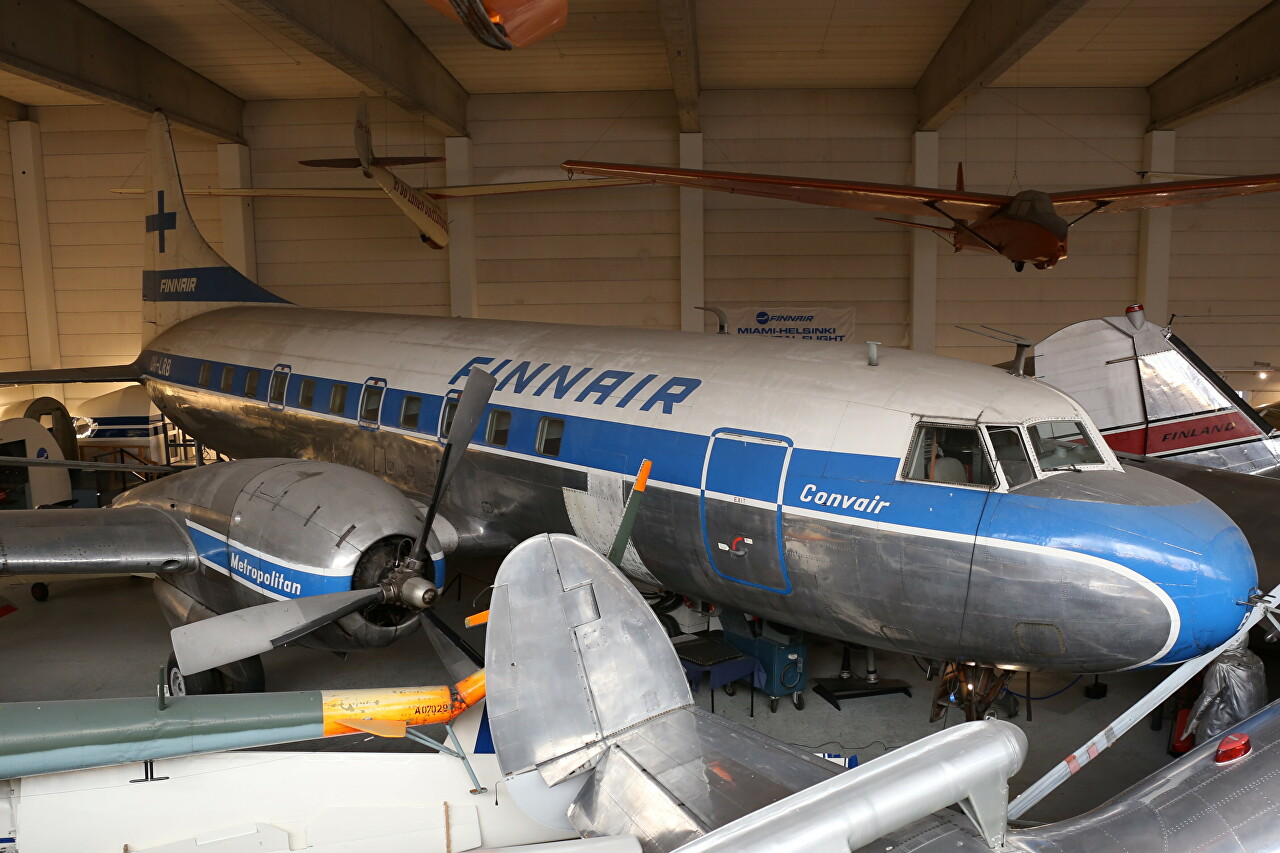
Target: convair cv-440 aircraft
{"points": [[907, 502]]}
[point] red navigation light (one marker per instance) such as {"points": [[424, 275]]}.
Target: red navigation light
{"points": [[1232, 748], [1137, 306]]}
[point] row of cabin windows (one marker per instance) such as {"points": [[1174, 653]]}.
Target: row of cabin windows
{"points": [[497, 429]]}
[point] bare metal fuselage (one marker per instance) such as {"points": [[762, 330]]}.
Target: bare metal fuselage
{"points": [[779, 451]]}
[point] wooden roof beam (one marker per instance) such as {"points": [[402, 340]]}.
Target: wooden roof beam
{"points": [[62, 44], [1236, 65], [368, 40], [679, 31], [989, 37]]}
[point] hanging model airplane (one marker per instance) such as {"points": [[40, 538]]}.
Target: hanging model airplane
{"points": [[421, 205], [1028, 228], [913, 503], [506, 24]]}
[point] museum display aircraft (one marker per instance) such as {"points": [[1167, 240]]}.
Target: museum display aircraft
{"points": [[1030, 227], [506, 24], [420, 204], [910, 502]]}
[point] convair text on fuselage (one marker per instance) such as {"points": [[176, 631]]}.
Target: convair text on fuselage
{"points": [[922, 504]]}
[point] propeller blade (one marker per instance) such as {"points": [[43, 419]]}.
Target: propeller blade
{"points": [[466, 419], [629, 515], [455, 653], [241, 634]]}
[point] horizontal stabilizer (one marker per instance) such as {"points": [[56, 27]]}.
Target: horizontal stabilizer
{"points": [[59, 375], [354, 162]]}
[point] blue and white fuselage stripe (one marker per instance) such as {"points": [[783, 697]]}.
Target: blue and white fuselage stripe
{"points": [[269, 576]]}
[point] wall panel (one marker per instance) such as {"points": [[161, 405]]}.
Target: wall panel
{"points": [[767, 252], [598, 256], [356, 254]]}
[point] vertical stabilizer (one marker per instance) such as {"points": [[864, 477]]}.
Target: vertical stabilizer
{"points": [[183, 276], [1150, 394]]}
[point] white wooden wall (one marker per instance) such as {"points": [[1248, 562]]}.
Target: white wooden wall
{"points": [[599, 256], [13, 325], [611, 256], [761, 251], [1226, 254], [337, 253]]}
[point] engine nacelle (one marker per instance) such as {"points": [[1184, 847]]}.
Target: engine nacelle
{"points": [[287, 528]]}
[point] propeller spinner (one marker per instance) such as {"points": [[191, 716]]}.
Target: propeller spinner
{"points": [[240, 634]]}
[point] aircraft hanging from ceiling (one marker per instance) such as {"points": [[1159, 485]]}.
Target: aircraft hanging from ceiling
{"points": [[420, 204], [506, 24], [920, 504], [1030, 227]]}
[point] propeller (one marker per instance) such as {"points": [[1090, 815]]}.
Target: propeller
{"points": [[240, 634]]}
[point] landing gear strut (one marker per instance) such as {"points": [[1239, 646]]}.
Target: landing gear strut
{"points": [[969, 687]]}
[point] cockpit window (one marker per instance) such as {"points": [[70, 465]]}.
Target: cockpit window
{"points": [[946, 454], [1011, 455], [1063, 444]]}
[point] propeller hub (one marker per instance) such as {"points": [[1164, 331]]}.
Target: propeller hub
{"points": [[418, 592]]}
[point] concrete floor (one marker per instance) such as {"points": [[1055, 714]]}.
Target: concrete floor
{"points": [[105, 637]]}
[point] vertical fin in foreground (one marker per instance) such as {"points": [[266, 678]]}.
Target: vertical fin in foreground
{"points": [[184, 276]]}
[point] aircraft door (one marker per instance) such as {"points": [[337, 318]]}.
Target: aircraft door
{"points": [[370, 411], [277, 387], [742, 480]]}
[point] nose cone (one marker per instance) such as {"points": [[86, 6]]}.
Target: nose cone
{"points": [[1148, 571]]}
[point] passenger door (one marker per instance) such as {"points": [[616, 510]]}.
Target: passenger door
{"points": [[741, 507]]}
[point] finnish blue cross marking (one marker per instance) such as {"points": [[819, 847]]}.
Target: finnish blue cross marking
{"points": [[160, 220]]}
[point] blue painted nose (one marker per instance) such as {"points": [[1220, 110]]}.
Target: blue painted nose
{"points": [[1129, 569]]}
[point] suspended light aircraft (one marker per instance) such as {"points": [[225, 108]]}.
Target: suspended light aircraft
{"points": [[1030, 227], [913, 502]]}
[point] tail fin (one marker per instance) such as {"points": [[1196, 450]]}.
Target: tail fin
{"points": [[364, 143], [183, 276], [1151, 394]]}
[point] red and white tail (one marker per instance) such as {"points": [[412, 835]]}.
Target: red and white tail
{"points": [[1150, 394]]}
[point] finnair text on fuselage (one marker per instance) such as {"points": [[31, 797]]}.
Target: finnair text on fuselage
{"points": [[648, 391]]}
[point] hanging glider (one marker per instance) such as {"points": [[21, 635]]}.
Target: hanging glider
{"points": [[1028, 228]]}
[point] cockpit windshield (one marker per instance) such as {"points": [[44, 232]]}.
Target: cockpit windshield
{"points": [[1060, 445]]}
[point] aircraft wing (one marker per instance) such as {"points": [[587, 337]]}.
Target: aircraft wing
{"points": [[461, 191], [1143, 196], [899, 199]]}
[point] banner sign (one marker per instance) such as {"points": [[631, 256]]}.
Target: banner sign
{"points": [[811, 323]]}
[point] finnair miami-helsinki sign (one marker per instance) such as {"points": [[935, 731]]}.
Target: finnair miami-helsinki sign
{"points": [[810, 322]]}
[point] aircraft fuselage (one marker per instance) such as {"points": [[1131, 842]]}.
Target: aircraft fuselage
{"points": [[780, 481]]}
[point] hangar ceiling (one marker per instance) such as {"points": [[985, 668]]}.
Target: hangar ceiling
{"points": [[293, 49]]}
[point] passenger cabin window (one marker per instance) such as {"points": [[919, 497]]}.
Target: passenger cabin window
{"points": [[1011, 455], [446, 416], [338, 399], [1060, 445], [251, 384], [947, 454], [205, 370], [307, 393], [371, 403], [275, 391], [550, 436], [228, 376], [410, 411], [499, 429]]}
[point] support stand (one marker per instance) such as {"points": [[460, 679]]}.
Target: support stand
{"points": [[969, 687], [850, 686], [149, 773], [456, 751]]}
